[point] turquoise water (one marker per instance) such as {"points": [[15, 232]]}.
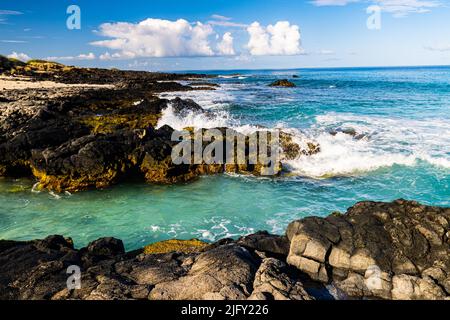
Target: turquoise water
{"points": [[404, 114]]}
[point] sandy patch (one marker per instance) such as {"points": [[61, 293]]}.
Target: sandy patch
{"points": [[21, 83]]}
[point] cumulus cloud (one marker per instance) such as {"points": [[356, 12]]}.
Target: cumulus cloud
{"points": [[88, 56], [19, 56], [279, 39], [225, 47], [156, 38], [109, 56]]}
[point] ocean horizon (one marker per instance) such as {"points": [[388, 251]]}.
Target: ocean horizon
{"points": [[232, 70]]}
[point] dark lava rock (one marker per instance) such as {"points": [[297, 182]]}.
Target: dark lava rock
{"points": [[398, 250], [267, 243], [81, 163], [181, 106], [75, 138], [349, 131], [226, 271], [106, 247], [282, 83], [35, 269]]}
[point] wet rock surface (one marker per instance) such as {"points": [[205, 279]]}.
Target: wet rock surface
{"points": [[397, 250]]}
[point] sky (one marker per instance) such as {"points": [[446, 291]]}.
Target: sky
{"points": [[166, 35]]}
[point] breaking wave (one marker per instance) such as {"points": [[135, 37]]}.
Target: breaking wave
{"points": [[383, 142]]}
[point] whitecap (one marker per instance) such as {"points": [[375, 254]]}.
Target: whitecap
{"points": [[35, 188], [387, 142], [54, 195]]}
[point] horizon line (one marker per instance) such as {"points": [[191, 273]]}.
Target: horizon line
{"points": [[308, 68]]}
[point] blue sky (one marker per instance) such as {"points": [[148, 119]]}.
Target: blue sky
{"points": [[231, 34]]}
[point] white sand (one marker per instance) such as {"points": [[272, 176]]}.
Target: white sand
{"points": [[20, 83]]}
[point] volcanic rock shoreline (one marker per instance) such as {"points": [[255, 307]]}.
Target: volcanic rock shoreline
{"points": [[398, 250], [74, 129]]}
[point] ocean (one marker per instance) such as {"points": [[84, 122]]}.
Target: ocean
{"points": [[402, 117]]}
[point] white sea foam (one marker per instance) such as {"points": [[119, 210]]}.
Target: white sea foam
{"points": [[387, 141], [54, 195], [232, 76], [213, 229], [194, 119], [342, 155], [35, 188]]}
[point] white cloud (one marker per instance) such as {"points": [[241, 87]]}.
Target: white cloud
{"points": [[401, 8], [222, 23], [4, 13], [89, 56], [279, 39], [438, 47], [10, 13], [220, 17], [321, 3], [225, 47], [326, 52], [13, 41], [19, 56], [398, 8], [156, 38], [244, 58], [109, 56]]}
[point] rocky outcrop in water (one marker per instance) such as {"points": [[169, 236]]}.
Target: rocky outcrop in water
{"points": [[283, 83], [397, 250]]}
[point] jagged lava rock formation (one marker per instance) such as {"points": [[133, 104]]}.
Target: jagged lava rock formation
{"points": [[399, 250], [283, 83], [91, 128]]}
